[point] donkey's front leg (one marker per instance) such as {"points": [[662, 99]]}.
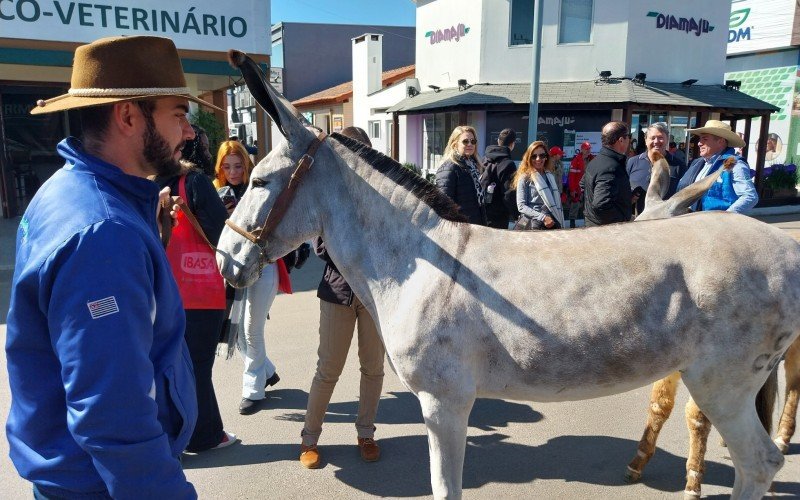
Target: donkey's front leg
{"points": [[446, 420]]}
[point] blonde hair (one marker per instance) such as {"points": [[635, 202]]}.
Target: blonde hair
{"points": [[526, 169], [231, 148], [452, 144]]}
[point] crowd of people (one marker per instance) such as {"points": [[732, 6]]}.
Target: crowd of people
{"points": [[607, 187], [111, 381]]}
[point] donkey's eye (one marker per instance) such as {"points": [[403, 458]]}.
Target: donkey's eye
{"points": [[259, 182]]}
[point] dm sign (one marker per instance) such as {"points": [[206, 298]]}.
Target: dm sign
{"points": [[687, 25], [197, 24]]}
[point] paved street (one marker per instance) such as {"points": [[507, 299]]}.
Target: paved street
{"points": [[515, 449]]}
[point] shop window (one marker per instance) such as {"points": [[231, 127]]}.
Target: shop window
{"points": [[521, 31], [375, 129], [575, 21]]}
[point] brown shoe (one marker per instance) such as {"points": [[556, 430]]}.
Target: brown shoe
{"points": [[309, 456], [370, 452]]}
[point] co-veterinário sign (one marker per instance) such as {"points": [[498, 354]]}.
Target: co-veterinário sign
{"points": [[197, 25]]}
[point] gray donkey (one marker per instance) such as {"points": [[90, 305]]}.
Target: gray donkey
{"points": [[662, 398], [467, 311]]}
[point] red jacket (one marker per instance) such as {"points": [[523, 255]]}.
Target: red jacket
{"points": [[576, 169]]}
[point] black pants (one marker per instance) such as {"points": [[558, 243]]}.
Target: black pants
{"points": [[202, 334]]}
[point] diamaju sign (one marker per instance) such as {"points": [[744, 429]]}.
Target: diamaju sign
{"points": [[687, 25]]}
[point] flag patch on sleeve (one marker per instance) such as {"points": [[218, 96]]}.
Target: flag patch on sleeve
{"points": [[103, 307]]}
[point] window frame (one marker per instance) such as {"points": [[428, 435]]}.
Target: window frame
{"points": [[559, 27], [510, 23], [374, 125]]}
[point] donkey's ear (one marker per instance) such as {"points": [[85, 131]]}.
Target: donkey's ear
{"points": [[685, 198], [285, 116], [659, 179]]}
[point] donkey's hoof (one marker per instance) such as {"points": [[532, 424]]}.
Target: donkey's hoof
{"points": [[783, 447], [690, 495], [632, 476]]}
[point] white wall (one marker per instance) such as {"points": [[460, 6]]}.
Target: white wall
{"points": [[377, 104], [624, 40], [445, 62], [674, 55]]}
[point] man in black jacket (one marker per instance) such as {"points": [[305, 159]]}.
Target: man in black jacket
{"points": [[499, 170], [606, 184]]}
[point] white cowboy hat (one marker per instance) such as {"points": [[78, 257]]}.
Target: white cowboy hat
{"points": [[720, 129]]}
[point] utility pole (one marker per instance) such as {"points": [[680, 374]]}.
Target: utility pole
{"points": [[533, 112]]}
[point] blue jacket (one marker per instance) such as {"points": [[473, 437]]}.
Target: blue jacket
{"points": [[742, 182], [103, 399]]}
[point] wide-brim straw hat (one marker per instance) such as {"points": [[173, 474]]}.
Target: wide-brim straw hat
{"points": [[720, 129], [124, 68]]}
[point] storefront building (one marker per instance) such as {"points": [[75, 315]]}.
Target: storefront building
{"points": [[639, 61], [764, 57], [37, 42]]}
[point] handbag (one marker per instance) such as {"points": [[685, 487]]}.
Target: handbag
{"points": [[523, 223], [193, 260]]}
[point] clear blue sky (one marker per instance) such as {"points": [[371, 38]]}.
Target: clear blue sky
{"points": [[370, 12]]}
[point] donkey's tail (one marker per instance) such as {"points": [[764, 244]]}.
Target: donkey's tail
{"points": [[765, 400]]}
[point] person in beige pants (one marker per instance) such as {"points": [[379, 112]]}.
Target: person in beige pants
{"points": [[340, 312]]}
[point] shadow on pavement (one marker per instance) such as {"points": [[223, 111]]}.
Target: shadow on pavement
{"points": [[403, 468], [402, 408]]}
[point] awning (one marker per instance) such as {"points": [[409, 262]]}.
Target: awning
{"points": [[615, 91]]}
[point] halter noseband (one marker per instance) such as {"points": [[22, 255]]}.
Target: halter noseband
{"points": [[278, 210]]}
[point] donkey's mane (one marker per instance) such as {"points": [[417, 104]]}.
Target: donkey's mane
{"points": [[426, 192]]}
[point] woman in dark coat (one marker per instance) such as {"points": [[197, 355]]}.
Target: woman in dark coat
{"points": [[459, 175]]}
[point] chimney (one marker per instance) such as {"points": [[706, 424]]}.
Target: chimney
{"points": [[367, 70]]}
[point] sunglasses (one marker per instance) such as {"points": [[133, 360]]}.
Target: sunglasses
{"points": [[539, 156], [469, 141]]}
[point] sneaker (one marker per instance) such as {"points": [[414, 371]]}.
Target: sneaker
{"points": [[227, 440], [309, 456], [370, 452], [248, 406], [274, 379]]}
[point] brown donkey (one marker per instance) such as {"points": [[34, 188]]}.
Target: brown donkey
{"points": [[662, 397]]}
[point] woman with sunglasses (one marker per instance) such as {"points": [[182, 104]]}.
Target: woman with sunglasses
{"points": [[538, 197], [459, 175]]}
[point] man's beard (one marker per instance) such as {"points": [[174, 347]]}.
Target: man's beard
{"points": [[158, 153]]}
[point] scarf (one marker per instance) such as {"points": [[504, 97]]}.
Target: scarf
{"points": [[469, 163], [548, 190], [234, 325]]}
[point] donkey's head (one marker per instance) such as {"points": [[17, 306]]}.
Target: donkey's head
{"points": [[275, 215], [655, 206]]}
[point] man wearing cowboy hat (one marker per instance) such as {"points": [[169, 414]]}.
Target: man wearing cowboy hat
{"points": [[717, 142], [103, 399]]}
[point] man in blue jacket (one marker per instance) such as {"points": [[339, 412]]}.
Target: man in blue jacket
{"points": [[717, 142], [103, 399]]}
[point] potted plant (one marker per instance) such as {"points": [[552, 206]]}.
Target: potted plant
{"points": [[781, 180]]}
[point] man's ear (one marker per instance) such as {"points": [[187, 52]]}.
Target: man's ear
{"points": [[127, 118]]}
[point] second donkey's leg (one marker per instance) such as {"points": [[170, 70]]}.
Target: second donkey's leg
{"points": [[662, 400], [787, 424], [699, 427]]}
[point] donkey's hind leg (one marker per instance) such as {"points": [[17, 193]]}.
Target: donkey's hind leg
{"points": [[446, 421], [662, 400], [788, 421], [729, 405], [699, 428]]}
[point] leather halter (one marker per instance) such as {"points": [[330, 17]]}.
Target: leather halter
{"points": [[278, 210]]}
